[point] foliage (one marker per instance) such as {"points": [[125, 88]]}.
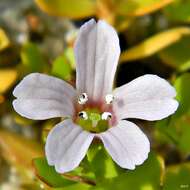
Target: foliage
{"points": [[154, 38]]}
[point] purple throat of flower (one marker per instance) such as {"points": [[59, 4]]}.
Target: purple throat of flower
{"points": [[95, 116]]}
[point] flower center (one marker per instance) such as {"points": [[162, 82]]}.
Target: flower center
{"points": [[94, 119]]}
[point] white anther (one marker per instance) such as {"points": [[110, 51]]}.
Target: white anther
{"points": [[109, 98], [83, 115], [83, 98], [106, 116]]}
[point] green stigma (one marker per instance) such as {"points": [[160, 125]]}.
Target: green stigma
{"points": [[94, 122]]}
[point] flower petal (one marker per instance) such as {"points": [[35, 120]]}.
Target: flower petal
{"points": [[67, 145], [127, 144], [41, 97], [148, 97], [96, 51]]}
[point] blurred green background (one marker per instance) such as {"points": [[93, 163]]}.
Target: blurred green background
{"points": [[38, 36]]}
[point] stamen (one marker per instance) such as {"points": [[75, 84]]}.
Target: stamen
{"points": [[83, 115], [109, 98], [106, 116], [83, 98]]}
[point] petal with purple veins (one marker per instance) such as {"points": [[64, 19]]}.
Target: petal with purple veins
{"points": [[127, 144], [42, 97], [148, 97], [66, 146], [97, 52]]}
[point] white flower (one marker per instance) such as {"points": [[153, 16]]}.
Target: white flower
{"points": [[148, 97]]}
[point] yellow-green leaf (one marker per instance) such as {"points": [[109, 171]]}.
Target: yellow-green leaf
{"points": [[178, 11], [32, 57], [154, 44], [62, 68], [182, 87], [7, 78], [4, 40], [147, 176], [68, 8], [139, 7], [177, 55], [177, 177], [53, 179], [19, 150]]}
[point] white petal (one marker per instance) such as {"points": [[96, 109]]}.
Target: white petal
{"points": [[67, 145], [41, 97], [148, 97], [127, 144], [96, 51]]}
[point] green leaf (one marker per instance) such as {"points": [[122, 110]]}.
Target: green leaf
{"points": [[177, 177], [48, 174], [101, 163], [177, 55], [165, 132], [32, 57], [68, 8], [147, 176], [176, 132], [4, 40], [62, 68], [152, 45], [178, 11], [176, 129], [69, 53], [78, 186], [184, 136], [140, 8], [183, 93]]}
